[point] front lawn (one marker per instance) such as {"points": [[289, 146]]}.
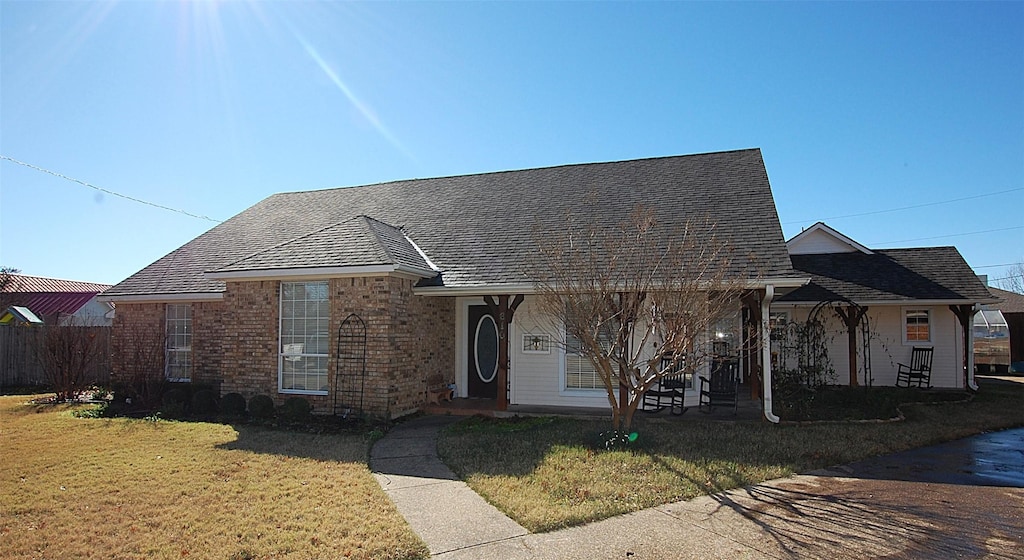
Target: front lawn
{"points": [[121, 488], [545, 474]]}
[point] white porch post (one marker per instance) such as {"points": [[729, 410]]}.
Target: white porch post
{"points": [[766, 354]]}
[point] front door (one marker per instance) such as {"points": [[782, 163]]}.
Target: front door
{"points": [[483, 353]]}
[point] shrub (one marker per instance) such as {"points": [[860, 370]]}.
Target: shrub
{"points": [[261, 406], [176, 395], [204, 402], [296, 409], [173, 403], [233, 404]]}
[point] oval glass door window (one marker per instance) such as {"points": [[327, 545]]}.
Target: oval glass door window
{"points": [[486, 351]]}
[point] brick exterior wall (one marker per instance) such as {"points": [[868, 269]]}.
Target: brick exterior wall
{"points": [[138, 341], [235, 345]]}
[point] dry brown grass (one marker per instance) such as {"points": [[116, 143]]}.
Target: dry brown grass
{"points": [[118, 488], [544, 474]]}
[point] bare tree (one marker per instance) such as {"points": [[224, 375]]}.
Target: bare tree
{"points": [[639, 298], [6, 283], [139, 353], [1014, 280], [68, 354]]}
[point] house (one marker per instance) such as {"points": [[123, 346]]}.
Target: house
{"points": [[355, 297], [56, 301], [878, 305], [1011, 305]]}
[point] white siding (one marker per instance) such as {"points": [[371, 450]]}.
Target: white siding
{"points": [[818, 242], [887, 346], [539, 379]]}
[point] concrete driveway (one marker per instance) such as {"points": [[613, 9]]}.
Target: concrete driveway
{"points": [[963, 499]]}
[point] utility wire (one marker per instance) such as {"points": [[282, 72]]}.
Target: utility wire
{"points": [[950, 235], [107, 191], [993, 265], [906, 207]]}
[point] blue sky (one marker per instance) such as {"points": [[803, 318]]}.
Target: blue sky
{"points": [[209, 107]]}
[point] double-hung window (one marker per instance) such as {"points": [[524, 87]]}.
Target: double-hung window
{"points": [[916, 326], [305, 329], [580, 373], [178, 347]]}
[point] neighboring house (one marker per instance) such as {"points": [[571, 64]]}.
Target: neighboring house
{"points": [[895, 299], [57, 301], [275, 300], [1011, 305]]}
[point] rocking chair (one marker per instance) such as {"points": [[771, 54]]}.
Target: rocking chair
{"points": [[721, 387], [919, 372]]}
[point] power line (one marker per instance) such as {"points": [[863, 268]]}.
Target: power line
{"points": [[993, 265], [907, 207], [107, 191], [950, 235]]}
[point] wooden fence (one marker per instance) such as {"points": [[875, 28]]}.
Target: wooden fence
{"points": [[19, 356]]}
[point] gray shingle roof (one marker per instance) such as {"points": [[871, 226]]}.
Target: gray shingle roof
{"points": [[359, 241], [929, 273], [478, 229], [1012, 302]]}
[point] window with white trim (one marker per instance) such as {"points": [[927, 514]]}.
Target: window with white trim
{"points": [[580, 373], [916, 326], [178, 346], [305, 337]]}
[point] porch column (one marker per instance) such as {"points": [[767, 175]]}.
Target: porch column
{"points": [[965, 314], [503, 311], [851, 316], [752, 332]]}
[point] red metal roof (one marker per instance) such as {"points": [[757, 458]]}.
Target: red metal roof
{"points": [[47, 297]]}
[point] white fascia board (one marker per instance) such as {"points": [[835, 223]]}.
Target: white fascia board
{"points": [[778, 283], [893, 302], [317, 273], [481, 290], [160, 298], [530, 288]]}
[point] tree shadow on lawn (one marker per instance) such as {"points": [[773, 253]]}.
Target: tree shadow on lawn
{"points": [[341, 447]]}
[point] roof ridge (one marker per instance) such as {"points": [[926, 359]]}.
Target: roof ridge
{"points": [[381, 246], [292, 240], [20, 280], [506, 171]]}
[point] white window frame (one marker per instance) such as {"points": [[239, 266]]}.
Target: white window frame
{"points": [[296, 351], [564, 381], [928, 321], [178, 339], [536, 343]]}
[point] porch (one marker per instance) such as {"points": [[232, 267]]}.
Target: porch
{"points": [[747, 410]]}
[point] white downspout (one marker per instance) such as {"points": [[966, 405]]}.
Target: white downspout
{"points": [[969, 349], [766, 353]]}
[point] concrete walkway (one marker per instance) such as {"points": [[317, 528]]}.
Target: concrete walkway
{"points": [[963, 499], [439, 507]]}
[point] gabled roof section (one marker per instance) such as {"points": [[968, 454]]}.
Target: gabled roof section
{"points": [[1012, 302], [820, 239], [933, 274], [359, 243], [480, 229], [48, 297], [41, 284]]}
